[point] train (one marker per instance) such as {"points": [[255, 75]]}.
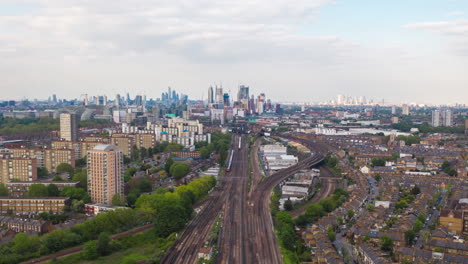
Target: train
{"points": [[228, 168], [240, 143]]}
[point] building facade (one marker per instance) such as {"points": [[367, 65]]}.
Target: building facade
{"points": [[105, 173], [68, 127]]}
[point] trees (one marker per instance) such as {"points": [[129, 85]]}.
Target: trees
{"points": [[3, 190], [179, 170], [38, 190], [415, 190], [57, 178], [205, 152], [90, 250], [162, 174], [52, 190], [409, 237], [288, 206], [25, 245], [65, 167], [42, 172], [417, 226], [102, 245], [118, 200], [377, 162], [75, 193], [377, 177], [82, 177], [145, 185], [350, 214], [168, 164], [128, 174], [143, 153], [285, 228], [386, 243], [135, 154]]}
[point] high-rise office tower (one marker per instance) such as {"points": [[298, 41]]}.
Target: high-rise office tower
{"points": [[226, 99], [105, 173], [117, 100], [219, 95], [54, 98], [243, 93], [69, 127], [340, 99], [210, 95]]}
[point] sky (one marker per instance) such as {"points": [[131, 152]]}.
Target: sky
{"points": [[403, 51]]}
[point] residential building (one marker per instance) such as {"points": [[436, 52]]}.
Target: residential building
{"points": [[405, 110], [19, 189], [69, 127], [21, 169], [25, 225], [95, 209], [105, 173], [33, 205], [124, 143]]}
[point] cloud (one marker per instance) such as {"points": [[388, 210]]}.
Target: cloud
{"points": [[456, 32], [200, 30], [457, 27]]}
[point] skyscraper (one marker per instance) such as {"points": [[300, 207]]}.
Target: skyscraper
{"points": [[243, 93], [219, 95], [69, 127], [226, 99], [105, 173], [210, 95]]}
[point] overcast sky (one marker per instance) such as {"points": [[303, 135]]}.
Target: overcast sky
{"points": [[293, 50]]}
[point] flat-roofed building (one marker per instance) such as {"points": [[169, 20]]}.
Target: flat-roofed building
{"points": [[47, 158], [280, 162], [145, 140], [125, 144], [105, 173], [80, 147], [54, 157], [20, 169], [95, 209], [69, 127], [33, 205], [19, 189]]}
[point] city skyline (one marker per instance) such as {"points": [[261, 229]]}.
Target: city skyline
{"points": [[398, 51]]}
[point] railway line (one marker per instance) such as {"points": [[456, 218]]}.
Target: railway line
{"points": [[247, 234]]}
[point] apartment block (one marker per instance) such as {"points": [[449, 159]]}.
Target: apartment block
{"points": [[55, 157], [69, 127], [105, 173], [80, 147], [125, 144], [145, 140], [47, 158], [33, 205], [19, 189], [21, 169]]}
